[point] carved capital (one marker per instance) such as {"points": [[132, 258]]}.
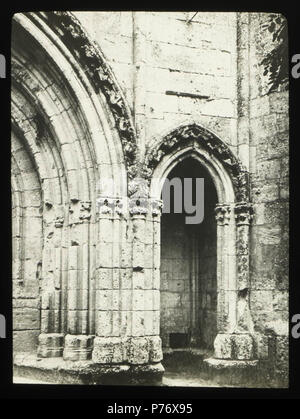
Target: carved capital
{"points": [[108, 205], [222, 214], [59, 222], [156, 206], [243, 213], [105, 205], [138, 206], [79, 211], [85, 210]]}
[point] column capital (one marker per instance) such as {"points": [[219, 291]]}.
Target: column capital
{"points": [[110, 206], [79, 211], [243, 213], [138, 206], [156, 207], [222, 214]]}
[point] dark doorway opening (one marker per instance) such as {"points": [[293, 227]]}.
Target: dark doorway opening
{"points": [[188, 267]]}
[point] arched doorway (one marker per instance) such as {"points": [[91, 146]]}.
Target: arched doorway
{"points": [[231, 326], [189, 264], [75, 136]]}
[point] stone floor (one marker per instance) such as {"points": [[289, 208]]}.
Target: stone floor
{"points": [[183, 368], [188, 375], [169, 380]]}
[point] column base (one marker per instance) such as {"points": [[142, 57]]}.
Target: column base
{"points": [[232, 372], [132, 350], [50, 345], [234, 346], [59, 371], [78, 347]]}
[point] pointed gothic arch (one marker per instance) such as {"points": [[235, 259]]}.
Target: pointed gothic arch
{"points": [[233, 215], [196, 139], [72, 118]]}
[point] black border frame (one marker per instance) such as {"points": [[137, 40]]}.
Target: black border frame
{"points": [[121, 394]]}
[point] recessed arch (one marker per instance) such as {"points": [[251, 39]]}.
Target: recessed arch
{"points": [[233, 211], [63, 38], [77, 130], [188, 262], [63, 97], [230, 177], [219, 176]]}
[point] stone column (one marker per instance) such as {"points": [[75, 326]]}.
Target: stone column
{"points": [[145, 343], [78, 342], [244, 215], [226, 303], [194, 291], [155, 354], [234, 340], [51, 337], [110, 343], [127, 302]]}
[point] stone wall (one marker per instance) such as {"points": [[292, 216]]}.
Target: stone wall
{"points": [[27, 248], [269, 168], [95, 272], [197, 58]]}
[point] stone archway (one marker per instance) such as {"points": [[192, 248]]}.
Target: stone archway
{"points": [[72, 118], [233, 214]]}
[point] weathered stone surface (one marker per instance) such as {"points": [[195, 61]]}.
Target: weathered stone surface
{"points": [[109, 350], [138, 350], [77, 347], [243, 347], [26, 318], [223, 346], [236, 346], [155, 350], [50, 345], [89, 259], [25, 341], [85, 372]]}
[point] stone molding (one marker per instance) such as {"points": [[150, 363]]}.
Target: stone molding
{"points": [[90, 58], [214, 145]]}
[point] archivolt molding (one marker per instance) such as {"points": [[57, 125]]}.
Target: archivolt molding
{"points": [[17, 189], [182, 136], [91, 60]]}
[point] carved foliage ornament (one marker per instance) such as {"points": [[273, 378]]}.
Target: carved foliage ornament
{"points": [[212, 144], [222, 214], [70, 31], [110, 206], [243, 213]]}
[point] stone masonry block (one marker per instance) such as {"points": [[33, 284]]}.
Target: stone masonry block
{"points": [[78, 347], [109, 350], [138, 350], [50, 345]]}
